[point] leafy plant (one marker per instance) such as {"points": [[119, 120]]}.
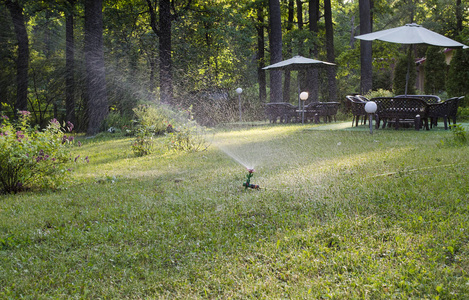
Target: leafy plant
{"points": [[459, 134], [188, 139], [143, 143], [29, 157], [378, 93]]}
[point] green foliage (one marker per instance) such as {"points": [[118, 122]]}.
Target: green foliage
{"points": [[459, 136], [188, 139], [32, 158], [183, 133], [378, 93], [117, 122], [435, 71], [400, 73], [155, 119], [463, 113], [150, 121], [457, 83], [143, 143]]}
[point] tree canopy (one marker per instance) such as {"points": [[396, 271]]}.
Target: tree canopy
{"points": [[171, 50]]}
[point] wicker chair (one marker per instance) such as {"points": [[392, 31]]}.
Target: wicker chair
{"points": [[358, 109], [453, 108], [331, 110], [429, 99], [401, 110], [281, 111], [314, 111], [439, 110]]}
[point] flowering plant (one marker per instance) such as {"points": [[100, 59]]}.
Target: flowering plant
{"points": [[30, 157]]}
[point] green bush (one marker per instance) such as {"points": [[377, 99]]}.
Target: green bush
{"points": [[457, 83], [155, 119], [33, 158], [435, 71], [116, 122], [143, 143], [188, 139], [378, 93]]}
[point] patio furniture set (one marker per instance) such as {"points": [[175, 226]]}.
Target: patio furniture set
{"points": [[287, 113], [406, 110]]}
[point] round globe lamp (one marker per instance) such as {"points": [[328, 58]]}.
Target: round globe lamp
{"points": [[370, 108]]}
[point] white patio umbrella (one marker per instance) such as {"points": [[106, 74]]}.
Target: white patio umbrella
{"points": [[411, 34], [299, 63]]}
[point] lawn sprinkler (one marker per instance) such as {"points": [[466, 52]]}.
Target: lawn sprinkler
{"points": [[248, 184]]}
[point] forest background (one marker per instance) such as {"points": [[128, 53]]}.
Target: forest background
{"points": [[92, 62]]}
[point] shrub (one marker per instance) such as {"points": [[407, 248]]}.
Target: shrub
{"points": [[188, 139], [154, 118], [116, 122], [459, 136], [143, 143], [457, 83], [33, 158], [435, 71], [378, 93]]}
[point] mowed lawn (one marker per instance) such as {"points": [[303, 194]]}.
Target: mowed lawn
{"points": [[340, 215]]}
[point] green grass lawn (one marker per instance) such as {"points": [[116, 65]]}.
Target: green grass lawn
{"points": [[341, 214]]}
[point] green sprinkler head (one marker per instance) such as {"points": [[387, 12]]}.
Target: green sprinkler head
{"points": [[248, 184]]}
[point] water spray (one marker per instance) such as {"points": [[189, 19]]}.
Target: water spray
{"points": [[248, 184]]}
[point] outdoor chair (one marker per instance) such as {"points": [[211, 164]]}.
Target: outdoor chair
{"points": [[358, 109], [439, 110], [314, 111], [453, 108], [331, 110], [401, 110], [281, 111], [429, 99], [362, 98]]}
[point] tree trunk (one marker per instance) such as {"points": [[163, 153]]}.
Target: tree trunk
{"points": [[22, 63], [94, 60], [261, 55], [459, 17], [166, 80], [331, 71], [302, 74], [275, 50], [366, 66], [289, 44], [313, 74], [70, 66]]}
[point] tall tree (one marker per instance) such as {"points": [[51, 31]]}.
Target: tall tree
{"points": [[331, 72], [95, 70], [22, 62], [289, 51], [70, 64], [260, 54], [313, 74], [366, 64], [459, 16], [161, 25], [275, 50]]}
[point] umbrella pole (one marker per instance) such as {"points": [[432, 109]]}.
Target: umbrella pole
{"points": [[409, 58]]}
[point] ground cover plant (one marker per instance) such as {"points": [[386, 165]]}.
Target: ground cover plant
{"points": [[340, 215]]}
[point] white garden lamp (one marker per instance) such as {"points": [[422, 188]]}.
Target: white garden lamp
{"points": [[303, 97], [239, 91], [370, 108]]}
